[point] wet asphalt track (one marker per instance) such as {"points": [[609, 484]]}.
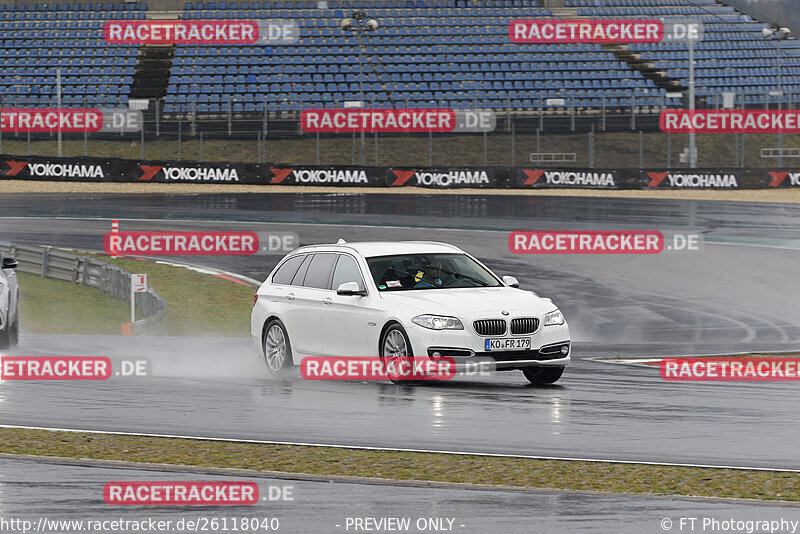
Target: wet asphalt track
{"points": [[319, 506], [216, 388], [739, 293]]}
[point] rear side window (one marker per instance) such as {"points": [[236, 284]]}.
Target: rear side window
{"points": [[301, 272], [285, 272], [319, 271]]}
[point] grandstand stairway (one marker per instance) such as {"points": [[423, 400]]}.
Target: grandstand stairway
{"points": [[153, 65], [563, 12], [623, 52], [648, 69]]}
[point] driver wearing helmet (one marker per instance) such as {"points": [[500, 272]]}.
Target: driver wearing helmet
{"points": [[430, 277]]}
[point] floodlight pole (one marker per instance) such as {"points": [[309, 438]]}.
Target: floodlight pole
{"points": [[780, 98], [692, 134], [58, 105], [358, 23], [361, 87], [780, 34]]}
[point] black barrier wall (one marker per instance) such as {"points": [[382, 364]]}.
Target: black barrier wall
{"points": [[81, 169]]}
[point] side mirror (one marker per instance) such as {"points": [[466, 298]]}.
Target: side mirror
{"points": [[350, 289], [10, 263], [510, 281]]}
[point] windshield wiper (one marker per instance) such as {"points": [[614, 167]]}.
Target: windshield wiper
{"points": [[480, 282]]}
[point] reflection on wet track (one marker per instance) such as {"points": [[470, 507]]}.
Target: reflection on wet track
{"points": [[217, 388]]}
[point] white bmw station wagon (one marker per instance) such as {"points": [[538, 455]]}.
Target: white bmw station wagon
{"points": [[405, 301]]}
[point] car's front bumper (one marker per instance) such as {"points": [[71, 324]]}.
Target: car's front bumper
{"points": [[466, 348]]}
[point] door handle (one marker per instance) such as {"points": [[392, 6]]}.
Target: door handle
{"points": [[327, 301], [290, 297]]}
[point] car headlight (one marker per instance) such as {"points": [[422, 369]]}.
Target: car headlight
{"points": [[438, 322], [554, 318]]}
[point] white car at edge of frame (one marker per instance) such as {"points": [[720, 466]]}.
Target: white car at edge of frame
{"points": [[403, 300], [9, 303]]}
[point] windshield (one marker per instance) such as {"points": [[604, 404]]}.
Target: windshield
{"points": [[428, 271]]}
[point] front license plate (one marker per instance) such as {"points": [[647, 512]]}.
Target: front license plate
{"points": [[519, 343]]}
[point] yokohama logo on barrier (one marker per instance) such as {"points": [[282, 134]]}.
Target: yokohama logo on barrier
{"points": [[585, 31], [779, 178], [378, 120], [729, 121], [692, 180], [200, 32], [24, 169], [578, 178], [321, 176], [440, 178], [190, 174]]}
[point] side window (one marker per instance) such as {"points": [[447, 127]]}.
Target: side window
{"points": [[286, 271], [301, 272], [319, 271], [346, 271]]}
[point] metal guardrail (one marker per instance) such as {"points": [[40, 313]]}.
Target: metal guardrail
{"points": [[55, 264]]}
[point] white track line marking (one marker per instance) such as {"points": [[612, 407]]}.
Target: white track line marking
{"points": [[397, 449]]}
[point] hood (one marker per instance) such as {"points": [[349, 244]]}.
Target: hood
{"points": [[472, 302]]}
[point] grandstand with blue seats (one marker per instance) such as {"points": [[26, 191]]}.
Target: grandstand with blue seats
{"points": [[425, 53], [39, 38], [422, 56]]}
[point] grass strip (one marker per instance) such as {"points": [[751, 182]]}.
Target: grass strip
{"points": [[198, 304], [56, 307], [409, 466]]}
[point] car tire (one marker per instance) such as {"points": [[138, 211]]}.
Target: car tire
{"points": [[277, 349], [543, 375], [395, 347], [13, 331], [5, 337]]}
